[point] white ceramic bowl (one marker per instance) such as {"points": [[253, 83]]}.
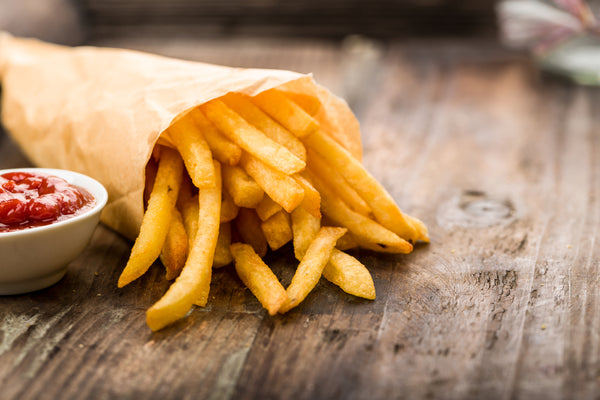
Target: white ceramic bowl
{"points": [[35, 258]]}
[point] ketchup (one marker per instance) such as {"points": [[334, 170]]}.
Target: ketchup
{"points": [[33, 199]]}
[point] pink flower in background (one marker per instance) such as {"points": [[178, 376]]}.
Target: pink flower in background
{"points": [[542, 25]]}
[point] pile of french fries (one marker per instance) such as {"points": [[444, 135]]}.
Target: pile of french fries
{"points": [[239, 175]]}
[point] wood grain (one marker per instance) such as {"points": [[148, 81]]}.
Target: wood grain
{"points": [[501, 163]]}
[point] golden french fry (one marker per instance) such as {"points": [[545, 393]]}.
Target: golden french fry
{"points": [[342, 269], [419, 226], [248, 226], [347, 242], [193, 283], [258, 277], [174, 251], [277, 230], [362, 227], [244, 190], [155, 223], [267, 208], [186, 190], [305, 227], [338, 184], [189, 211], [312, 199], [311, 267], [286, 112], [194, 150], [229, 209], [223, 149], [283, 189], [349, 274], [222, 252], [242, 105], [385, 210], [310, 104], [249, 138]]}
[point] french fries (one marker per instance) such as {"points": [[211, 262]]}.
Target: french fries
{"points": [[384, 208], [246, 175], [277, 230], [222, 252], [363, 228], [267, 208], [338, 184], [157, 218], [282, 188], [229, 210], [193, 284], [250, 112], [223, 149], [311, 267], [286, 112], [342, 269], [195, 152], [174, 251], [251, 139], [258, 277], [244, 190]]}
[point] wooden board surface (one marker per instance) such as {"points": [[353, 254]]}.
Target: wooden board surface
{"points": [[501, 164]]}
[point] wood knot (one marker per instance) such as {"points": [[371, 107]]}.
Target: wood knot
{"points": [[476, 209]]}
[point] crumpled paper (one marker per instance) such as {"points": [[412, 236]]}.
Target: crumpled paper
{"points": [[101, 111]]}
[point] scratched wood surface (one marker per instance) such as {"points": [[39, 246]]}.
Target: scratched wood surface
{"points": [[501, 163]]}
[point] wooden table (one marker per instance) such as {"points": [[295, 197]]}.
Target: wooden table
{"points": [[503, 166]]}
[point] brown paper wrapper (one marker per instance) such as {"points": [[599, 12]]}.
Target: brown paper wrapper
{"points": [[100, 111]]}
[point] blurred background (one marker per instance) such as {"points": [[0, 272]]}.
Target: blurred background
{"points": [[76, 22]]}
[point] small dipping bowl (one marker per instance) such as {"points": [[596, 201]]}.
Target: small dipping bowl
{"points": [[37, 257]]}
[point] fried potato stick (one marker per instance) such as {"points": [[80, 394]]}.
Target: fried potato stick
{"points": [[258, 277], [222, 252], [229, 210], [342, 269], [277, 230], [286, 112], [383, 206], [156, 220], [350, 275], [244, 190], [190, 211], [193, 284], [282, 188], [312, 198], [338, 184], [243, 105], [267, 208], [174, 251], [311, 267], [310, 104], [305, 227], [249, 138], [362, 227], [194, 150], [223, 149]]}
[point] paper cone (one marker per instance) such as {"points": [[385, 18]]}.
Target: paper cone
{"points": [[100, 111]]}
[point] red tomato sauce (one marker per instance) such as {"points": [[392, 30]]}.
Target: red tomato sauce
{"points": [[33, 199]]}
